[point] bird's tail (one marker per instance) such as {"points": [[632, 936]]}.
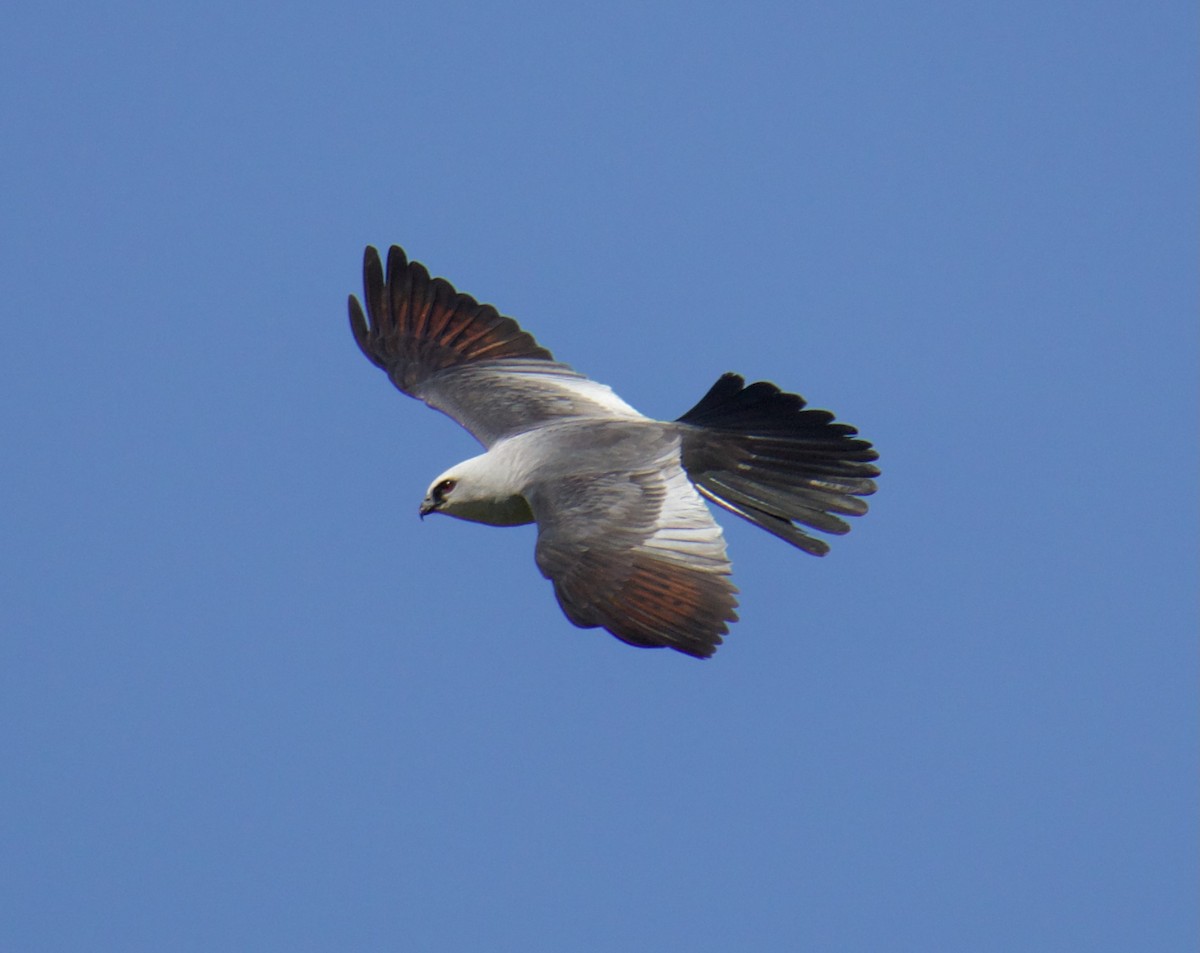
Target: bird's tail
{"points": [[758, 453]]}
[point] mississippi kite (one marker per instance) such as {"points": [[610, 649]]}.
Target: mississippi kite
{"points": [[618, 498]]}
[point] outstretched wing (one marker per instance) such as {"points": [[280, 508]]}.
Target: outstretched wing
{"points": [[639, 554], [464, 358]]}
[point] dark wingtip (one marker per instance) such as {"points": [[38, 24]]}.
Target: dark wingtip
{"points": [[373, 285], [358, 321], [413, 325], [397, 261]]}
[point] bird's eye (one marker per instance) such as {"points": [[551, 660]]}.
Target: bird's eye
{"points": [[440, 491]]}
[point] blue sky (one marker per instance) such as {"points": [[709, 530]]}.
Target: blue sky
{"points": [[249, 701]]}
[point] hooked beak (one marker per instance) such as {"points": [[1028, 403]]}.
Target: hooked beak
{"points": [[427, 507]]}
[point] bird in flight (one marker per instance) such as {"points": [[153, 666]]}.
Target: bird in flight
{"points": [[618, 498]]}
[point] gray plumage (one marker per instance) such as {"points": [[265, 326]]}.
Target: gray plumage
{"points": [[623, 532]]}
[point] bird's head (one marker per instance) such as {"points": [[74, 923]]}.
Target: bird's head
{"points": [[438, 497], [473, 491]]}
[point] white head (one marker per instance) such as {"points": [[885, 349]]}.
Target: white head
{"points": [[474, 491]]}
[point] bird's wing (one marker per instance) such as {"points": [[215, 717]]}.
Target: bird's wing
{"points": [[637, 553], [465, 359]]}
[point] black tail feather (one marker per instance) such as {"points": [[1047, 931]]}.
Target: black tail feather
{"points": [[757, 452]]}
